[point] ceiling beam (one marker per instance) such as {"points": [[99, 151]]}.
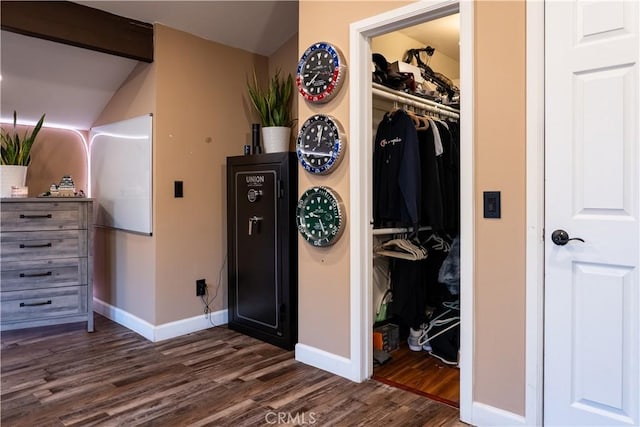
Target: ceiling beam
{"points": [[79, 25]]}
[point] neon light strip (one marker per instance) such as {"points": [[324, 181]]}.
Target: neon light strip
{"points": [[85, 145]]}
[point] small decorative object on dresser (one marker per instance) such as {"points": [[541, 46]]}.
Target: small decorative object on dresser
{"points": [[46, 262], [66, 188]]}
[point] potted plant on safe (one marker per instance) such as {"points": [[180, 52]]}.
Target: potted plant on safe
{"points": [[15, 155], [273, 105]]}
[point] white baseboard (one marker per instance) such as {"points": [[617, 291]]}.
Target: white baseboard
{"points": [[160, 332], [326, 361], [485, 415], [124, 318], [193, 324]]}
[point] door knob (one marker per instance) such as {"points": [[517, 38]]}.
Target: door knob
{"points": [[561, 237]]}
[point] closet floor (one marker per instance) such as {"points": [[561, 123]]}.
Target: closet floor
{"points": [[418, 372]]}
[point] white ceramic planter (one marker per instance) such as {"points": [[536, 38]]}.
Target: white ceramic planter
{"points": [[276, 139], [11, 176]]}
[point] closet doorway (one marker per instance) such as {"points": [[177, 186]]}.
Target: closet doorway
{"points": [[365, 277], [416, 275]]}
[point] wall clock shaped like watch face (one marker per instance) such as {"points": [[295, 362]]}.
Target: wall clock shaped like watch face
{"points": [[320, 216], [320, 144], [320, 72]]}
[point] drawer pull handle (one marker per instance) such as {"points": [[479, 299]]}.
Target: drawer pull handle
{"points": [[34, 216], [33, 304], [44, 245], [48, 273]]}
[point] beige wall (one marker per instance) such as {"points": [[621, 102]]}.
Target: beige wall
{"points": [[500, 165], [323, 279], [500, 243], [196, 91], [285, 59], [124, 263], [56, 152], [201, 118]]}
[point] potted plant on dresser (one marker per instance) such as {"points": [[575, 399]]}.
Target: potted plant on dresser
{"points": [[273, 105], [15, 156]]}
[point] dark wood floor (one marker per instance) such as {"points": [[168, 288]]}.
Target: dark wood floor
{"points": [[421, 373], [64, 376]]}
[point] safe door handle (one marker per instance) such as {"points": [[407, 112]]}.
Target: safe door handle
{"points": [[254, 220], [561, 238]]}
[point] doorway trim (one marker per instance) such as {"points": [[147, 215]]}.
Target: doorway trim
{"points": [[361, 130], [534, 286]]}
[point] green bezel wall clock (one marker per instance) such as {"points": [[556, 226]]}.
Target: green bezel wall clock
{"points": [[320, 144], [320, 72], [320, 216]]}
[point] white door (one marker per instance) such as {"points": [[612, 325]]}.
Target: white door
{"points": [[592, 187]]}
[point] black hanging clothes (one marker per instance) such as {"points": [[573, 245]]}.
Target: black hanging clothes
{"points": [[432, 207], [454, 129], [396, 172], [409, 291], [448, 172]]}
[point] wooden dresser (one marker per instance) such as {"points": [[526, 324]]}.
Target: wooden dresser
{"points": [[46, 262]]}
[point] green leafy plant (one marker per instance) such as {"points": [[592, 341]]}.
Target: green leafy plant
{"points": [[273, 104], [16, 151]]}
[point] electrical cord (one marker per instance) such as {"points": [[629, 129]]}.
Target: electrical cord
{"points": [[208, 301]]}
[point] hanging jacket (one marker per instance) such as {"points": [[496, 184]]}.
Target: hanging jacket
{"points": [[396, 172], [432, 207]]}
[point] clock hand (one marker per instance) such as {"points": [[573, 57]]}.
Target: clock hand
{"points": [[319, 135], [317, 154], [322, 226], [314, 78]]}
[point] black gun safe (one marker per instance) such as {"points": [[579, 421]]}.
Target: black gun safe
{"points": [[262, 247]]}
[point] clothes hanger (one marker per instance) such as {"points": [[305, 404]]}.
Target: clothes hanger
{"points": [[402, 248], [415, 118], [424, 123]]}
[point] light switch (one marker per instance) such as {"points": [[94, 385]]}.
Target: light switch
{"points": [[177, 189], [491, 204]]}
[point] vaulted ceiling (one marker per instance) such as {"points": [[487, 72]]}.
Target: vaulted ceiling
{"points": [[72, 85]]}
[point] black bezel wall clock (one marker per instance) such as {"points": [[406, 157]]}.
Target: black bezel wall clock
{"points": [[320, 144], [320, 216], [320, 72]]}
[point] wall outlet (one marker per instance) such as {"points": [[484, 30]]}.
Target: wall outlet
{"points": [[201, 287]]}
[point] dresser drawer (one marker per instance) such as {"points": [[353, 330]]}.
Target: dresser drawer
{"points": [[24, 275], [34, 245], [43, 216], [56, 302]]}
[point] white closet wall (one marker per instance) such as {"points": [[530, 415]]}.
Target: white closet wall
{"points": [[393, 46]]}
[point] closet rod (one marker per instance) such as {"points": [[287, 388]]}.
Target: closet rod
{"points": [[414, 101], [398, 230]]}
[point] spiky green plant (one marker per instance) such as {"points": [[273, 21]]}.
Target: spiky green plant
{"points": [[273, 104], [15, 150]]}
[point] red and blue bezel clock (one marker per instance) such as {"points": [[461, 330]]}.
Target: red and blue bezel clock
{"points": [[320, 72]]}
